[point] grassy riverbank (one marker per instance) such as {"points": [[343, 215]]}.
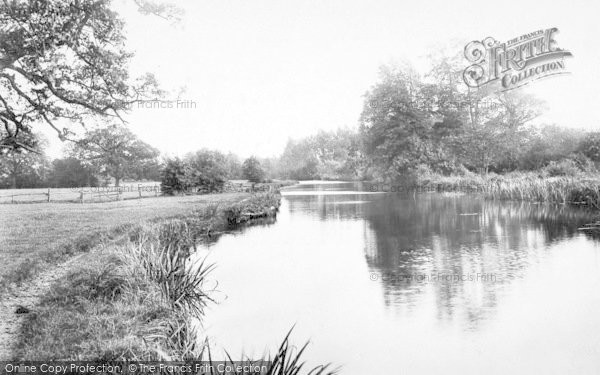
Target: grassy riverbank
{"points": [[125, 291], [137, 298], [34, 237]]}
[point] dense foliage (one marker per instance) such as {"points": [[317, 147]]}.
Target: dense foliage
{"points": [[252, 170], [412, 126], [72, 173], [203, 171], [114, 151], [326, 155], [63, 62]]}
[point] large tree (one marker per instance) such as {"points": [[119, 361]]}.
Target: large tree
{"points": [[252, 170], [24, 168], [299, 161], [114, 151], [71, 173], [233, 166], [395, 123], [63, 61], [439, 122]]}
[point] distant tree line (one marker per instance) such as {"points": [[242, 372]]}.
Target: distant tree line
{"points": [[207, 171], [327, 155], [410, 126], [110, 154], [338, 155], [100, 157]]}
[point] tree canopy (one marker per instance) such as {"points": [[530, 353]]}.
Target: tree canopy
{"points": [[62, 62], [252, 170], [114, 151]]}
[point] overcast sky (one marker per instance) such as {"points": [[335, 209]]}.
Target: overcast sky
{"points": [[262, 71]]}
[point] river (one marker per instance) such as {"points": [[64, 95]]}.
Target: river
{"points": [[412, 284]]}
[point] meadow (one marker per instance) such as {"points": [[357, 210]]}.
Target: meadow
{"points": [[35, 236]]}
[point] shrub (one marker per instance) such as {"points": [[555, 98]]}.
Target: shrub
{"points": [[590, 146], [205, 171], [173, 177], [252, 170], [566, 167]]}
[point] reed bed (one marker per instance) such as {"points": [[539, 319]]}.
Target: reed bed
{"points": [[582, 190], [552, 189]]}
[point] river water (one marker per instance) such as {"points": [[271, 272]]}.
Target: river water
{"points": [[412, 284]]}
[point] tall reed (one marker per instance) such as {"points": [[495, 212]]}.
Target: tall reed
{"points": [[580, 190]]}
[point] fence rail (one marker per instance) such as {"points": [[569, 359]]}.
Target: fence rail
{"points": [[111, 194], [79, 195]]}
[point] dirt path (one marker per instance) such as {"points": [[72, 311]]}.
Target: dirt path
{"points": [[28, 296]]}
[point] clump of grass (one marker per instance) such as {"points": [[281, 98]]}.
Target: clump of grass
{"points": [[19, 274], [180, 280], [101, 310], [287, 360], [257, 206], [29, 267]]}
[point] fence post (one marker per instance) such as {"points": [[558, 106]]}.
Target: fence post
{"points": [[48, 195], [156, 190], [140, 190], [81, 196]]}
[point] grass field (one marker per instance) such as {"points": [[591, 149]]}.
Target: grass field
{"points": [[34, 236]]}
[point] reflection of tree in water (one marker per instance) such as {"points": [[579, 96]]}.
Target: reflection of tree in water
{"points": [[328, 207], [239, 229], [433, 235]]}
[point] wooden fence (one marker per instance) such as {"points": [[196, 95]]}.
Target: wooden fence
{"points": [[79, 195], [111, 194]]}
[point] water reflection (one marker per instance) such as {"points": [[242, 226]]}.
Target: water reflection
{"points": [[356, 271], [458, 250]]}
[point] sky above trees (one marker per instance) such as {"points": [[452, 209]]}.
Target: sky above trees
{"points": [[260, 72]]}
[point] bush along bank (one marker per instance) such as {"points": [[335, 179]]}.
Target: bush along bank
{"points": [[139, 300], [257, 207]]}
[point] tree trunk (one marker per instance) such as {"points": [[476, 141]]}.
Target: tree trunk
{"points": [[117, 181]]}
